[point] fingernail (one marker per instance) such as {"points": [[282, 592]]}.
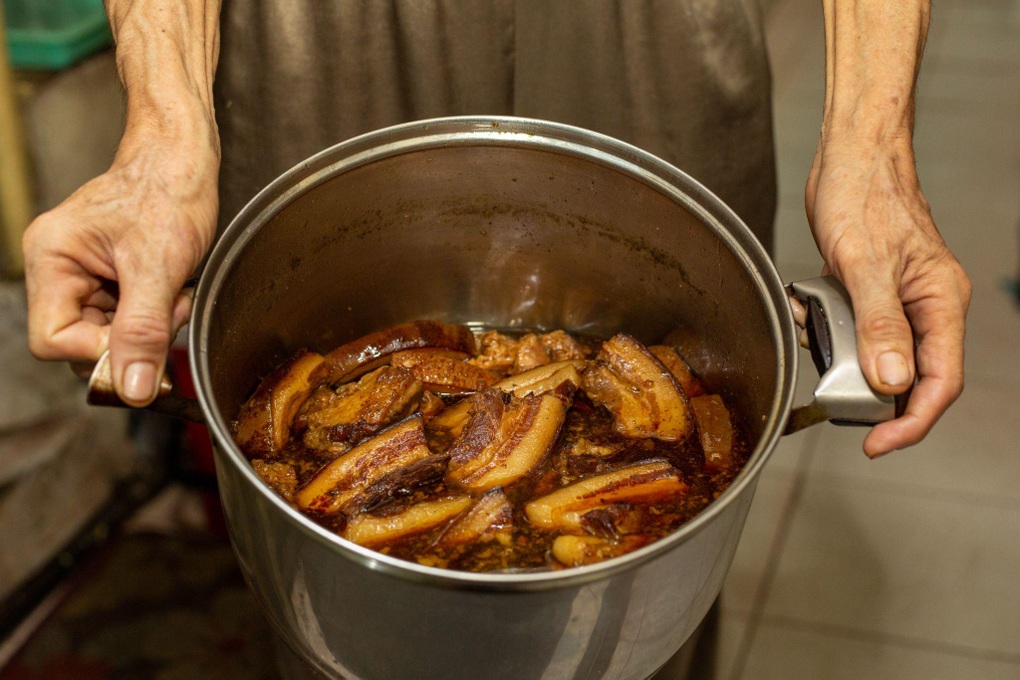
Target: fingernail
{"points": [[140, 381], [893, 369]]}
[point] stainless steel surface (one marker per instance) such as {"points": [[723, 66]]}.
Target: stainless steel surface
{"points": [[843, 393], [500, 222]]}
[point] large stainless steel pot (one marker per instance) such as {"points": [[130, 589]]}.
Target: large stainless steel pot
{"points": [[496, 222]]}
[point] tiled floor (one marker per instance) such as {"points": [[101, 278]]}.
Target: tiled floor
{"points": [[907, 566]]}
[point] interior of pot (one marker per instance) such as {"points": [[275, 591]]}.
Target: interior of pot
{"points": [[498, 231]]}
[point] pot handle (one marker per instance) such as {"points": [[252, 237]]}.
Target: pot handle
{"points": [[101, 393], [842, 395]]}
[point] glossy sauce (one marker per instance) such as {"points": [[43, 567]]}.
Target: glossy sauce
{"points": [[587, 446]]}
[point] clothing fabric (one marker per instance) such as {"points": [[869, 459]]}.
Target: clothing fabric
{"points": [[686, 80]]}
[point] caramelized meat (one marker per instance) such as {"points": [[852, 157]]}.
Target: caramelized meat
{"points": [[281, 477], [643, 483], [345, 483], [503, 354], [263, 426], [562, 347], [372, 530], [431, 405], [716, 430], [642, 395], [543, 379], [506, 437], [497, 352], [690, 385], [585, 447], [548, 378], [615, 521], [401, 482], [490, 518], [531, 353], [444, 371], [495, 452], [356, 410], [357, 357], [577, 551]]}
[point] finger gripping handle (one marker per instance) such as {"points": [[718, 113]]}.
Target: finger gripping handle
{"points": [[101, 392], [842, 394]]}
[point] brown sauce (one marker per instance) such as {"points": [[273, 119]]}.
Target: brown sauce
{"points": [[588, 445]]}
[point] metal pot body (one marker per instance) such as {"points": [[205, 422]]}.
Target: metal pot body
{"points": [[498, 222]]}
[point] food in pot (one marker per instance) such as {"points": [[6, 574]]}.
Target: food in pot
{"points": [[263, 427], [645, 400], [635, 485], [492, 451], [379, 467]]}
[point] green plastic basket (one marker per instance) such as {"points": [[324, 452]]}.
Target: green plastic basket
{"points": [[54, 34]]}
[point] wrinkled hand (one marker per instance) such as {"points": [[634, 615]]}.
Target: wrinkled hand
{"points": [[910, 295], [106, 267]]}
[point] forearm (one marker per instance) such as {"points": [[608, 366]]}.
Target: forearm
{"points": [[166, 53], [873, 225], [149, 219], [873, 53]]}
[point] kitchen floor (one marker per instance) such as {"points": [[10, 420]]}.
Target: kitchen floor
{"points": [[907, 566]]}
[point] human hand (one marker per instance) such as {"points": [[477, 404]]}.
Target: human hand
{"points": [[910, 295], [106, 267]]}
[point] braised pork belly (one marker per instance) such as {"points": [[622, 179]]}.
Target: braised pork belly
{"points": [[643, 396], [336, 419], [506, 438], [492, 451]]}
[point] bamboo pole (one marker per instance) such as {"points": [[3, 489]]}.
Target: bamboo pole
{"points": [[16, 209]]}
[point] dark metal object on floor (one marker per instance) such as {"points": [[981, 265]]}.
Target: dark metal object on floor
{"points": [[164, 461], [127, 497]]}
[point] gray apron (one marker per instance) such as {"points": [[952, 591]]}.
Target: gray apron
{"points": [[686, 80]]}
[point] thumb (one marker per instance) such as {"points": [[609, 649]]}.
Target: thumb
{"points": [[885, 340], [140, 334]]}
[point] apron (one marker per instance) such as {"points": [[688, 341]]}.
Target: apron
{"points": [[686, 80]]}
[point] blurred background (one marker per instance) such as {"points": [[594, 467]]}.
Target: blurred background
{"points": [[113, 561]]}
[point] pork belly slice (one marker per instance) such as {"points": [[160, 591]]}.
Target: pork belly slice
{"points": [[355, 358], [577, 551], [503, 354], [375, 531], [496, 352], [564, 375], [281, 477], [531, 353], [562, 347], [490, 518], [444, 371], [506, 437], [339, 419], [543, 379], [716, 430], [643, 397], [431, 405], [681, 371], [538, 350], [564, 509], [263, 427], [344, 484], [400, 483]]}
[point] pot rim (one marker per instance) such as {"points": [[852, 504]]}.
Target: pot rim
{"points": [[515, 132]]}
